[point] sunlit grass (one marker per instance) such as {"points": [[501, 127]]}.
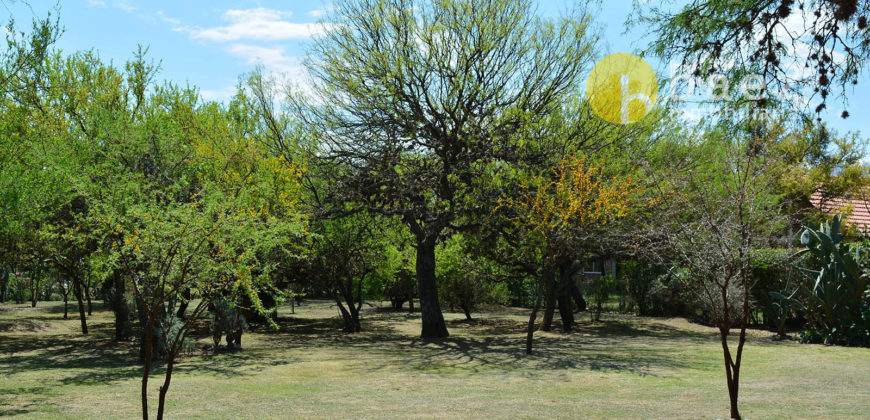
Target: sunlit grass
{"points": [[621, 367]]}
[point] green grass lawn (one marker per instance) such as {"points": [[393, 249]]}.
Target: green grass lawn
{"points": [[624, 367]]}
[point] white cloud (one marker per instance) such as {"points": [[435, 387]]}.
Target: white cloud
{"points": [[124, 5], [271, 57], [220, 95], [167, 19], [96, 3], [317, 13], [257, 24]]}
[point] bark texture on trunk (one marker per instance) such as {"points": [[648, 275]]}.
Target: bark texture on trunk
{"points": [[430, 309]]}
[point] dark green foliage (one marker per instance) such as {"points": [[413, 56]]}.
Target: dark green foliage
{"points": [[119, 302], [772, 286], [833, 293], [640, 277], [601, 288], [466, 283]]}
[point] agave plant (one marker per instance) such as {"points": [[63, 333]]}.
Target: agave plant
{"points": [[834, 298]]}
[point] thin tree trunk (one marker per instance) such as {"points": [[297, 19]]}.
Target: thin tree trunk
{"points": [[77, 289], [433, 320], [410, 286], [350, 326], [33, 290], [530, 333], [467, 313], [578, 297], [88, 297], [66, 303], [147, 371], [732, 375], [4, 282], [161, 403], [566, 312]]}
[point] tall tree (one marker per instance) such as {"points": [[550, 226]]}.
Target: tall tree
{"points": [[416, 98]]}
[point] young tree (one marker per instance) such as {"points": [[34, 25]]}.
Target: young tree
{"points": [[205, 228], [416, 98], [719, 209], [346, 252]]}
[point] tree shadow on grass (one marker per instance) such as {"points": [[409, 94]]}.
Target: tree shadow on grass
{"points": [[495, 345]]}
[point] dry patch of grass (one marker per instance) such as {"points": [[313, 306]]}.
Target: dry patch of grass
{"points": [[621, 367]]}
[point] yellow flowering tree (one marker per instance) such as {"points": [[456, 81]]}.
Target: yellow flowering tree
{"points": [[561, 215]]}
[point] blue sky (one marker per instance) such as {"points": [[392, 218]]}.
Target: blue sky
{"points": [[210, 43]]}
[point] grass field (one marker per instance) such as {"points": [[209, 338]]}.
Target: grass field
{"points": [[622, 367]]}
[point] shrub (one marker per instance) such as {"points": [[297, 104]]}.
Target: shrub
{"points": [[640, 278], [227, 320], [772, 284], [833, 292], [465, 290], [601, 288]]}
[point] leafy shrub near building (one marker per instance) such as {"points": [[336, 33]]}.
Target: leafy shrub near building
{"points": [[833, 287]]}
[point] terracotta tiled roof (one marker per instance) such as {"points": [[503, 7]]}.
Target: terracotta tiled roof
{"points": [[857, 211]]}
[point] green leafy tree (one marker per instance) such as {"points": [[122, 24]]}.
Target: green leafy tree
{"points": [[414, 99]]}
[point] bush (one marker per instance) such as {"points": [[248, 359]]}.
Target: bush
{"points": [[601, 288], [461, 289], [772, 282], [227, 320], [833, 292], [640, 277]]}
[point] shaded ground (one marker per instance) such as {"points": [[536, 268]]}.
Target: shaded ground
{"points": [[624, 367]]}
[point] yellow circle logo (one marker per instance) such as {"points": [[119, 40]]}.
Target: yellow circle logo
{"points": [[622, 88]]}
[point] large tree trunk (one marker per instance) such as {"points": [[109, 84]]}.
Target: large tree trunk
{"points": [[4, 282], [182, 307], [118, 303], [430, 309], [550, 308], [77, 289], [578, 297]]}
